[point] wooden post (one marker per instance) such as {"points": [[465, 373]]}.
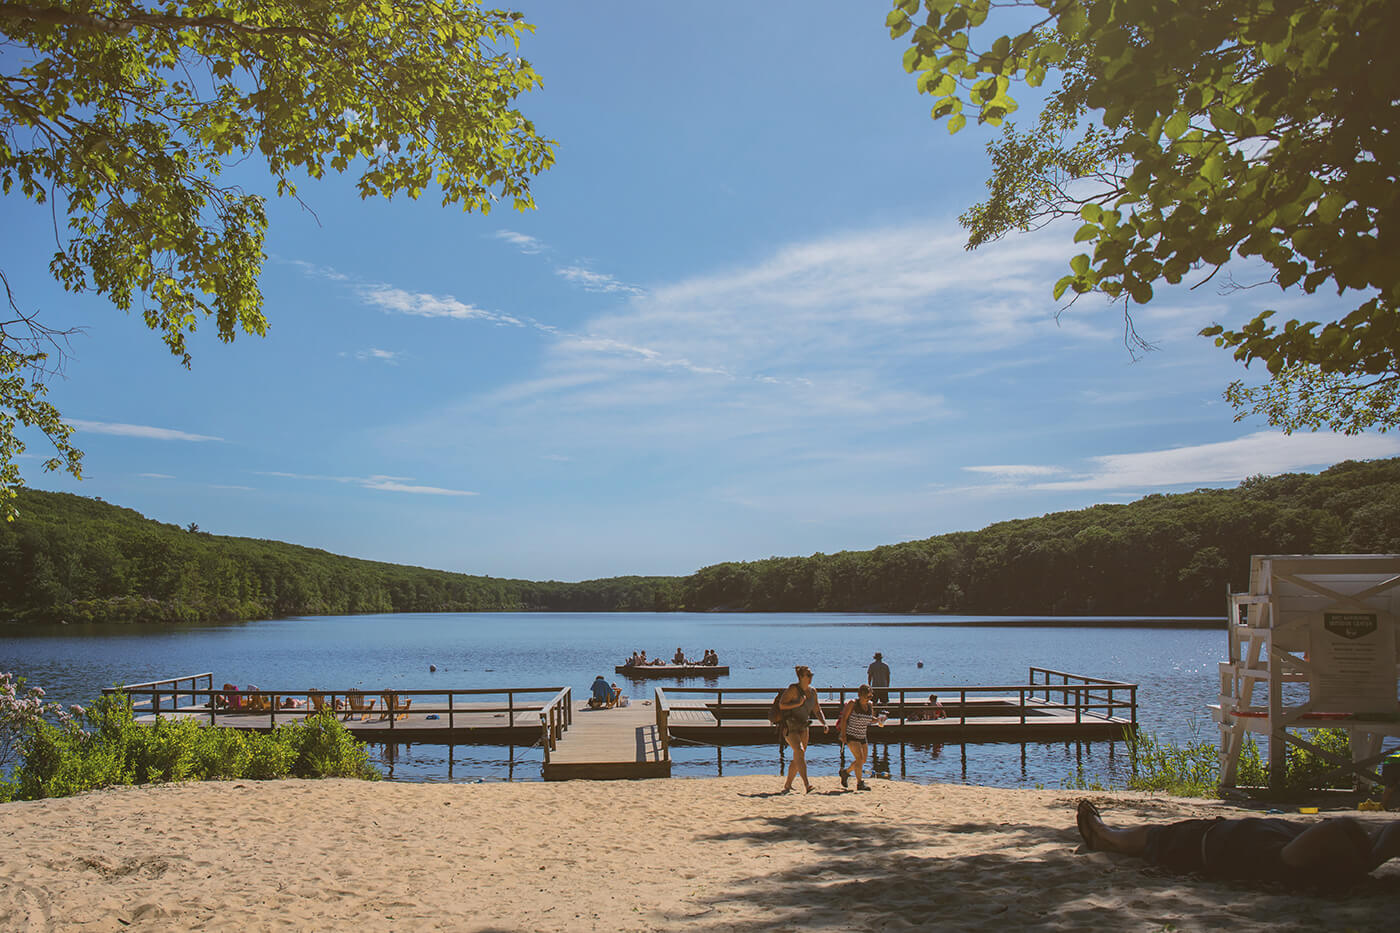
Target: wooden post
{"points": [[451, 725], [510, 707], [719, 707], [1023, 706], [1078, 706], [962, 707]]}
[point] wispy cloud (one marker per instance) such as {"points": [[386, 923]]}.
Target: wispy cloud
{"points": [[1015, 470], [230, 486], [422, 304], [376, 482], [521, 241], [138, 430], [375, 354], [1266, 452], [155, 475], [591, 281]]}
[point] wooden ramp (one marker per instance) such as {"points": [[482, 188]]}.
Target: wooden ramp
{"points": [[609, 744]]}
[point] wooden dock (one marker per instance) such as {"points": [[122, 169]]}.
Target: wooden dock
{"points": [[634, 741], [610, 744]]}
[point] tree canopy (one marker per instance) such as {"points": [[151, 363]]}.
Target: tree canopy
{"points": [[1186, 133], [123, 115]]}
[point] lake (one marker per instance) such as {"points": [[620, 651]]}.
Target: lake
{"points": [[1175, 667]]}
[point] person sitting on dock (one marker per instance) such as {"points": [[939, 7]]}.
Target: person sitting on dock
{"points": [[711, 659], [616, 698], [679, 658], [935, 711], [1333, 852], [602, 694]]}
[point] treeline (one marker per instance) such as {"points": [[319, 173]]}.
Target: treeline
{"points": [[81, 560]]}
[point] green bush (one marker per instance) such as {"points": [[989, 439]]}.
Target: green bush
{"points": [[113, 749], [1193, 769]]}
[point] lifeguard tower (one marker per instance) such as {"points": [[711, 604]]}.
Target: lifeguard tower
{"points": [[1317, 634]]}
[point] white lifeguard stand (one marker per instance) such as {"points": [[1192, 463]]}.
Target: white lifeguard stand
{"points": [[1317, 632]]}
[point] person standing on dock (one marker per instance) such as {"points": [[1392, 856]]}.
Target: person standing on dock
{"points": [[798, 704], [878, 676]]}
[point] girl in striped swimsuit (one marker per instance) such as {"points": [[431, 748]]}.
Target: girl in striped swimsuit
{"points": [[856, 717]]}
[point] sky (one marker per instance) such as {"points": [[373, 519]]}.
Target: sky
{"points": [[741, 323]]}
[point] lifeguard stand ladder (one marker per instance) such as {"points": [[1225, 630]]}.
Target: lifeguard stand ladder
{"points": [[1318, 634]]}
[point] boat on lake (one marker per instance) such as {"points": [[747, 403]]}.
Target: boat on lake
{"points": [[638, 671]]}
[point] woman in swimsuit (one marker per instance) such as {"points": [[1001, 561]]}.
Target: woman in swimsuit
{"points": [[856, 717], [798, 704]]}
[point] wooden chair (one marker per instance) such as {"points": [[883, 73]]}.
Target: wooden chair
{"points": [[358, 706], [392, 707], [319, 703]]}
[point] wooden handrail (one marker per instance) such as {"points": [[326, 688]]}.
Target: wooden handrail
{"points": [[555, 718], [663, 723]]}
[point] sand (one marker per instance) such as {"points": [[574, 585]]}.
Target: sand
{"points": [[699, 854]]}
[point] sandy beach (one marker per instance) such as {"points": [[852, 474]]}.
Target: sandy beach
{"points": [[702, 854]]}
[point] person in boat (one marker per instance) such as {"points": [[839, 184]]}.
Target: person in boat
{"points": [[797, 704], [679, 658], [1335, 852], [935, 710], [602, 694]]}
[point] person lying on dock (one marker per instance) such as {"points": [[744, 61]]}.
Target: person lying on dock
{"points": [[1335, 852]]}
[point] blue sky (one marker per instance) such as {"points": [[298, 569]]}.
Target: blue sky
{"points": [[741, 323]]}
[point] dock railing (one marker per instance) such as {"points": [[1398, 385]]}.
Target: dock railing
{"points": [[1091, 693], [390, 705], [663, 723], [555, 718], [156, 691], [1084, 696]]}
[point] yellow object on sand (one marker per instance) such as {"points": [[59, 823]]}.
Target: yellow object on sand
{"points": [[1307, 809]]}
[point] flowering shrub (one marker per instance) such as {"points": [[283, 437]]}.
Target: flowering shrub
{"points": [[22, 710]]}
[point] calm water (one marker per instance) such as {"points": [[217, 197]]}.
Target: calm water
{"points": [[1174, 666]]}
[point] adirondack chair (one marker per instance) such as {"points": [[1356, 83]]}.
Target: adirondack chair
{"points": [[394, 707], [359, 706]]}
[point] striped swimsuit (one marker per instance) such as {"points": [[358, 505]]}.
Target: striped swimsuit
{"points": [[857, 722]]}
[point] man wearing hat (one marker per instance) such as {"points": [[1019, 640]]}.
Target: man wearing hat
{"points": [[878, 676]]}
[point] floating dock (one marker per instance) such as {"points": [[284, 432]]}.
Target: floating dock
{"points": [[678, 671]]}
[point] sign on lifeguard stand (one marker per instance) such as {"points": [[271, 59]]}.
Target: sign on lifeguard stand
{"points": [[1316, 634]]}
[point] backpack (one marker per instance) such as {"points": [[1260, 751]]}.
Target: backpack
{"points": [[776, 713]]}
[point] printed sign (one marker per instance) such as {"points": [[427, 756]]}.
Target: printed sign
{"points": [[1350, 624], [1353, 662]]}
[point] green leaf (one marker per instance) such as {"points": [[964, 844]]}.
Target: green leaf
{"points": [[956, 122], [1086, 232], [1080, 264]]}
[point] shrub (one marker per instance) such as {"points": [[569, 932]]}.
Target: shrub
{"points": [[107, 747]]}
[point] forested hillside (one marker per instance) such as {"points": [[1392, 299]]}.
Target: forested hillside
{"points": [[67, 558], [79, 560], [1161, 555]]}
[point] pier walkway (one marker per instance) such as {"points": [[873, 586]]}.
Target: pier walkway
{"points": [[601, 744]]}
